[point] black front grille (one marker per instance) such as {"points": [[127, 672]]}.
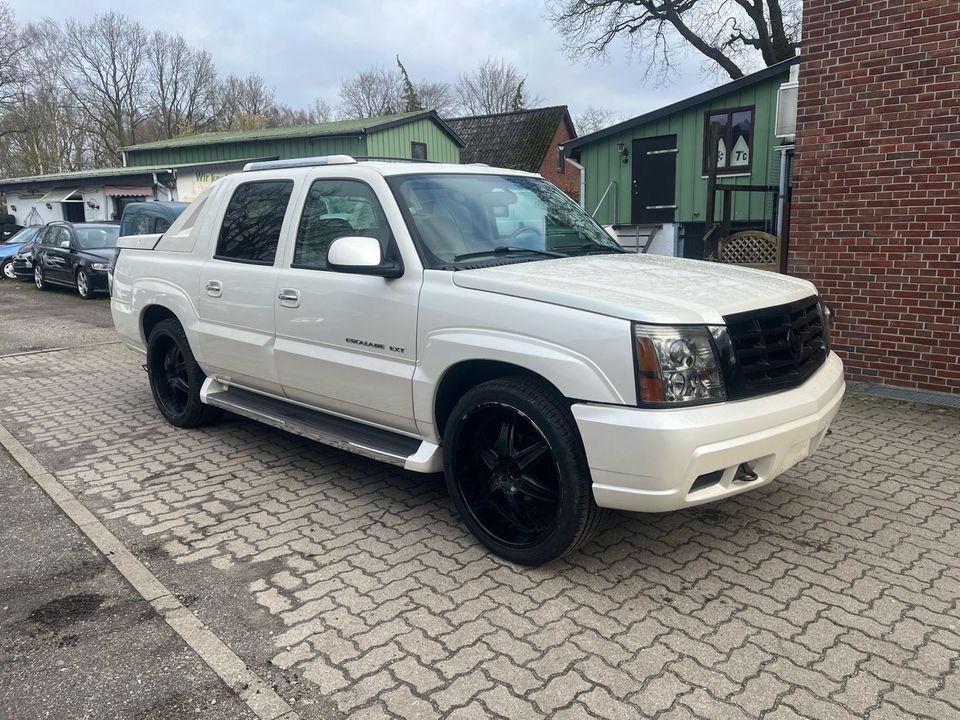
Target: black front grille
{"points": [[775, 348]]}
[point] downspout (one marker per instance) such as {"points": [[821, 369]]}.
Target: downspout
{"points": [[583, 181]]}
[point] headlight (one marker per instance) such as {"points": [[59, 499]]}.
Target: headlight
{"points": [[677, 365], [827, 316], [100, 266]]}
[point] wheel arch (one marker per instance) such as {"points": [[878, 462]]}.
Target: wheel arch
{"points": [[152, 315], [463, 376]]}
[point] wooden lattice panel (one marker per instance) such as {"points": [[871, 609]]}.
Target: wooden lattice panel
{"points": [[753, 248]]}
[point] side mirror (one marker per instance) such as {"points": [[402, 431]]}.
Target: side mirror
{"points": [[65, 244], [361, 256]]}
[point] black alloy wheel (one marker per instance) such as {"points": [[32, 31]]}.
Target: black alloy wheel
{"points": [[175, 377], [507, 476], [83, 284], [517, 472]]}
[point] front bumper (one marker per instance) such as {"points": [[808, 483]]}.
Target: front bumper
{"points": [[23, 269], [98, 280], [648, 460]]}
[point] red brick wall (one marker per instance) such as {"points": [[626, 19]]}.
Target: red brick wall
{"points": [[569, 180], [876, 204]]}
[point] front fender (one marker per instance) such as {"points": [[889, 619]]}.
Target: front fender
{"points": [[573, 374]]}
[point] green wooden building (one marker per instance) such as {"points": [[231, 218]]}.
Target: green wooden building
{"points": [[651, 172], [414, 135]]}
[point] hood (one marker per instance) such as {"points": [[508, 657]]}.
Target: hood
{"points": [[98, 253], [8, 249], [647, 288]]}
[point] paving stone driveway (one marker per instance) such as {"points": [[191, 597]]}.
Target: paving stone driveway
{"points": [[831, 593]]}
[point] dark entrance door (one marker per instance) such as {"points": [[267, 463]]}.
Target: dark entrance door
{"points": [[653, 194], [73, 211]]}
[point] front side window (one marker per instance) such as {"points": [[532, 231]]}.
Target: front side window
{"points": [[418, 151], [251, 225], [335, 209], [51, 236], [461, 219], [734, 143]]}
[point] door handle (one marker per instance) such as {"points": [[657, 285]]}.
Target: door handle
{"points": [[289, 297], [214, 288]]}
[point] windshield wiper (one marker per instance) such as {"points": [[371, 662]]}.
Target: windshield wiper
{"points": [[592, 246], [506, 250]]}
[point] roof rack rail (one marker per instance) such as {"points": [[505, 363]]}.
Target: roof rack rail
{"points": [[389, 158], [300, 162]]}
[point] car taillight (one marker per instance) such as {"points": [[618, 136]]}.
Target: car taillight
{"points": [[113, 260]]}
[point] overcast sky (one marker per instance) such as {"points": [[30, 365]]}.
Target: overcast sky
{"points": [[304, 49]]}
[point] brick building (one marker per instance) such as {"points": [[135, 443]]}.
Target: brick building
{"points": [[876, 204], [529, 140]]}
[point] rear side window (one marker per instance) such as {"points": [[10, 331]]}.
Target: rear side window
{"points": [[335, 209], [251, 226]]}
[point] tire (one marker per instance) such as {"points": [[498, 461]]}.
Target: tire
{"points": [[38, 278], [517, 472], [175, 377], [83, 284], [6, 270]]}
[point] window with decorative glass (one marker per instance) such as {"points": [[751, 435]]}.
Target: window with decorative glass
{"points": [[734, 150]]}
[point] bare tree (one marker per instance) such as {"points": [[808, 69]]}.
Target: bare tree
{"points": [[592, 119], [319, 112], [437, 96], [496, 86], [244, 103], [282, 115], [43, 131], [13, 47], [106, 74], [371, 93], [729, 34], [183, 85]]}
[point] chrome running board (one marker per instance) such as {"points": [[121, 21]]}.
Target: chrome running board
{"points": [[372, 442]]}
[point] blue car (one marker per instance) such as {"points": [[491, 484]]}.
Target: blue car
{"points": [[10, 247]]}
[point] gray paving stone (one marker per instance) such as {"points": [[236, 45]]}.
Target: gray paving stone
{"points": [[831, 591]]}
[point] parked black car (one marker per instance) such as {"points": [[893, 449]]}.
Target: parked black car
{"points": [[75, 255], [23, 259]]}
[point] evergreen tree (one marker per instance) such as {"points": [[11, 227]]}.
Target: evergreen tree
{"points": [[411, 99]]}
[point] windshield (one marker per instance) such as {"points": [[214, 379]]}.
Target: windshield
{"points": [[22, 236], [461, 219], [91, 238]]}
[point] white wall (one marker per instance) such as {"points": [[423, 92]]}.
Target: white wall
{"points": [[96, 196], [193, 181], [665, 241], [102, 206], [24, 205]]}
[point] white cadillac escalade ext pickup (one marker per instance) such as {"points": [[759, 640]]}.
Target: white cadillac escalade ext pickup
{"points": [[476, 321]]}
